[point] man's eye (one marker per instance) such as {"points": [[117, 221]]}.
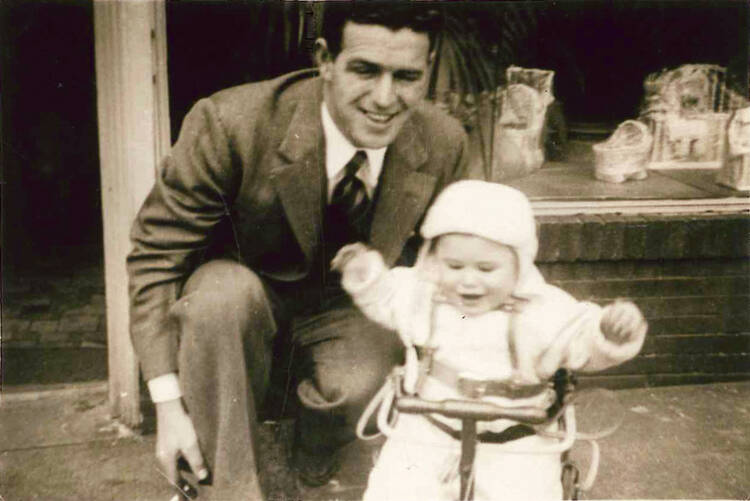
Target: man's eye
{"points": [[455, 266], [364, 69], [408, 76]]}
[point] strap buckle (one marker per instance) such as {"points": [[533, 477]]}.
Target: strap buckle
{"points": [[472, 386]]}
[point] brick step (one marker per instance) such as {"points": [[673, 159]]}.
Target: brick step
{"points": [[677, 268], [646, 380], [663, 287], [665, 307], [710, 363], [699, 344], [648, 236], [699, 324], [53, 365]]}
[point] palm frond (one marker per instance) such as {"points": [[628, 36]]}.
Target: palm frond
{"points": [[479, 42]]}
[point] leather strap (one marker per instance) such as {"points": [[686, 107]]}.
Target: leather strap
{"points": [[487, 437], [476, 388]]}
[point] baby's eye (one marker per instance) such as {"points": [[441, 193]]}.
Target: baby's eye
{"points": [[455, 266], [487, 268]]}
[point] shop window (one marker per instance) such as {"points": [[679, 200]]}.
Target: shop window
{"points": [[608, 61], [594, 58]]}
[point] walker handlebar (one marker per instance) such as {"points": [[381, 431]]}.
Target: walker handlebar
{"points": [[469, 409]]}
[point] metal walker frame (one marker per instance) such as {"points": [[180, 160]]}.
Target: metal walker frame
{"points": [[471, 411]]}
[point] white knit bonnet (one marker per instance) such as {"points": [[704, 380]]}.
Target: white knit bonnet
{"points": [[489, 210]]}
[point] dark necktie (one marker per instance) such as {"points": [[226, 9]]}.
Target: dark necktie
{"points": [[350, 198]]}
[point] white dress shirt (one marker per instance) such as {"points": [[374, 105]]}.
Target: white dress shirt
{"points": [[339, 151]]}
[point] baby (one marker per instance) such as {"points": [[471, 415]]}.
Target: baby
{"points": [[477, 298]]}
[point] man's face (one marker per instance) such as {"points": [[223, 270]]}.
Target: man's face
{"points": [[474, 274], [373, 84]]}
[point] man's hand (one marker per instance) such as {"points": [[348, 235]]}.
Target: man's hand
{"points": [[623, 322], [175, 436]]}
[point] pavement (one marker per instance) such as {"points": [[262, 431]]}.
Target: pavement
{"points": [[674, 443], [58, 442]]}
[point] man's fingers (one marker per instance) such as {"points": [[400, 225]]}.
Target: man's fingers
{"points": [[194, 458], [186, 489], [167, 460]]}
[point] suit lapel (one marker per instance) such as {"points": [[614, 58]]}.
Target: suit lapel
{"points": [[403, 193], [297, 174], [298, 177]]}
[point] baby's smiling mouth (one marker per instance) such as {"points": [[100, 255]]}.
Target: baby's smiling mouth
{"points": [[471, 297]]}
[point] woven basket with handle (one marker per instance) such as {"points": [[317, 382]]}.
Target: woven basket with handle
{"points": [[625, 154]]}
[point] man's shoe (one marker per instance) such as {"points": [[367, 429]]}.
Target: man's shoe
{"points": [[314, 466], [315, 470]]}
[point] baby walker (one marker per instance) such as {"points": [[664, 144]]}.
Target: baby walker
{"points": [[392, 400]]}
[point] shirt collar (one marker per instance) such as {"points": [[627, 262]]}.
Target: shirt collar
{"points": [[339, 151]]}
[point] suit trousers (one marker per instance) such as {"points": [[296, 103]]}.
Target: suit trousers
{"points": [[230, 320]]}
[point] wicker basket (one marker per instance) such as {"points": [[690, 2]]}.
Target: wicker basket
{"points": [[735, 172], [687, 109], [625, 154]]}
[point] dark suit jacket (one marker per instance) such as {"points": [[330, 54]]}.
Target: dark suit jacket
{"points": [[246, 179]]}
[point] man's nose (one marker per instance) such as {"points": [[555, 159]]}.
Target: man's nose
{"points": [[384, 93]]}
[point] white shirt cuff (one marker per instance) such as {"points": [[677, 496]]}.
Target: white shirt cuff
{"points": [[164, 388]]}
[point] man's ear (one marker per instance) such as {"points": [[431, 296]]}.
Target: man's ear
{"points": [[431, 60], [323, 58]]}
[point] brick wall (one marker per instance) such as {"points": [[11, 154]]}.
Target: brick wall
{"points": [[690, 275]]}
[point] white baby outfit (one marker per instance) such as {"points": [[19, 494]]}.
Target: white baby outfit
{"points": [[419, 461]]}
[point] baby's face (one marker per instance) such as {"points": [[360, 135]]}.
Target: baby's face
{"points": [[476, 275]]}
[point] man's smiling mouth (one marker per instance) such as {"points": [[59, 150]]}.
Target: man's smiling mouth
{"points": [[379, 118]]}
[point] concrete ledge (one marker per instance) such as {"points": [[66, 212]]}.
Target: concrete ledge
{"points": [[31, 392]]}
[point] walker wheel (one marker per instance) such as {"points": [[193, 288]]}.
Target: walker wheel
{"points": [[570, 481]]}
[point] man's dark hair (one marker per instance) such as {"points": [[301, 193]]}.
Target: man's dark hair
{"points": [[420, 17]]}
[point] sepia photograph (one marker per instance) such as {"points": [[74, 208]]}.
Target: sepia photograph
{"points": [[379, 250]]}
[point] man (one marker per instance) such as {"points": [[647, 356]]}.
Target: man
{"points": [[232, 247]]}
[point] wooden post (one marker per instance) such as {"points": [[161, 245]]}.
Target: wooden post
{"points": [[130, 45]]}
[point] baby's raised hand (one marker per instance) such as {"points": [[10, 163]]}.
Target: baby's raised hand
{"points": [[355, 261], [346, 254], [623, 322]]}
